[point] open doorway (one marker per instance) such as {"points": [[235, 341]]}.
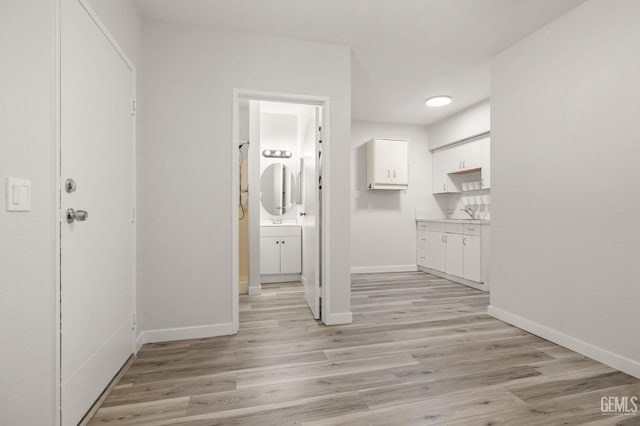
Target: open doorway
{"points": [[278, 199]]}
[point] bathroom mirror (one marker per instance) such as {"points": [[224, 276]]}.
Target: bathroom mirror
{"points": [[277, 189]]}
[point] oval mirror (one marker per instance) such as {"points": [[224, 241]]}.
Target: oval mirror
{"points": [[277, 189]]}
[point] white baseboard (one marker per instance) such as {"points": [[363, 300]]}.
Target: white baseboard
{"points": [[335, 319], [254, 291], [604, 356], [181, 333], [387, 268], [280, 278]]}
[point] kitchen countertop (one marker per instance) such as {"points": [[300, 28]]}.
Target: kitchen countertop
{"points": [[463, 221]]}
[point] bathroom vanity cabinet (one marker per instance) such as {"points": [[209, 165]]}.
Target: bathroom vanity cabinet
{"points": [[280, 253]]}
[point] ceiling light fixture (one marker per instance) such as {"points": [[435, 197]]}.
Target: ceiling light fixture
{"points": [[437, 101]]}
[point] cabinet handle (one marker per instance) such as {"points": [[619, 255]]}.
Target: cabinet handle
{"points": [[464, 241], [446, 239], [388, 173], [464, 163], [442, 238], [444, 186], [482, 182], [394, 173]]}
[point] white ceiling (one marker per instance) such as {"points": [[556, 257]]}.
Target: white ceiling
{"points": [[403, 51]]}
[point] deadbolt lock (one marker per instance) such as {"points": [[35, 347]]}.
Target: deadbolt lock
{"points": [[70, 185]]}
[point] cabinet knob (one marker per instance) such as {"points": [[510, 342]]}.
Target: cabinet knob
{"points": [[277, 242], [283, 242]]}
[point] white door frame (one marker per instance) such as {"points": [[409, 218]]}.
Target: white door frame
{"points": [[235, 192], [58, 185]]}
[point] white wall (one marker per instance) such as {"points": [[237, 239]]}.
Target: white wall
{"points": [[27, 240], [383, 226], [470, 122], [565, 155], [188, 81]]}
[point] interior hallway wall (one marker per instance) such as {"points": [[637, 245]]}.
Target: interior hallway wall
{"points": [[565, 150], [383, 226], [189, 76], [27, 243]]}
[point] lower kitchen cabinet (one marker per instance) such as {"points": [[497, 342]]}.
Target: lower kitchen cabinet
{"points": [[454, 264], [456, 250], [472, 247]]}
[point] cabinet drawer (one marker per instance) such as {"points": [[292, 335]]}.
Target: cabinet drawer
{"points": [[423, 226], [438, 227], [455, 228], [472, 229], [421, 257], [422, 239]]}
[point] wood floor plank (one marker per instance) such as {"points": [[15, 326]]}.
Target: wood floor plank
{"points": [[422, 350]]}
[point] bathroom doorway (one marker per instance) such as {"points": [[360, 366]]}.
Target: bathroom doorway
{"points": [[278, 198]]}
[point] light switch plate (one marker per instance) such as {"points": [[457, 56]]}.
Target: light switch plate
{"points": [[18, 194]]}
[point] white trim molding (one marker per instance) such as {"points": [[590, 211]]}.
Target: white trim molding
{"points": [[387, 268], [336, 319], [182, 333], [604, 356]]}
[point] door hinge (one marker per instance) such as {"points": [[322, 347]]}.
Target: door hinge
{"points": [[134, 107]]}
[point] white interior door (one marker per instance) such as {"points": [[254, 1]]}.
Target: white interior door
{"points": [[312, 153], [97, 254]]}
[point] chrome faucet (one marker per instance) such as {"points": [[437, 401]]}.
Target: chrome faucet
{"points": [[469, 212]]}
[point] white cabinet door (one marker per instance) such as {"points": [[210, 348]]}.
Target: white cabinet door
{"points": [[472, 245], [471, 157], [384, 153], [454, 255], [486, 162], [436, 251], [270, 255], [400, 163], [290, 255], [442, 165]]}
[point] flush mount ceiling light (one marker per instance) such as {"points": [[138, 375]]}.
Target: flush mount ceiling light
{"points": [[276, 154], [437, 101]]}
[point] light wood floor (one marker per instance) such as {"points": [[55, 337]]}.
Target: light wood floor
{"points": [[421, 350]]}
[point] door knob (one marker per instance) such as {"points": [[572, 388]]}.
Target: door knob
{"points": [[303, 213], [79, 215]]}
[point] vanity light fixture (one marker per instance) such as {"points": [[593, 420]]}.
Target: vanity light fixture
{"points": [[437, 101], [276, 154]]}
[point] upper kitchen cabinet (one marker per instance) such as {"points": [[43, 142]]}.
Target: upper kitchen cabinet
{"points": [[466, 157], [486, 162], [387, 164], [443, 160], [460, 159]]}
